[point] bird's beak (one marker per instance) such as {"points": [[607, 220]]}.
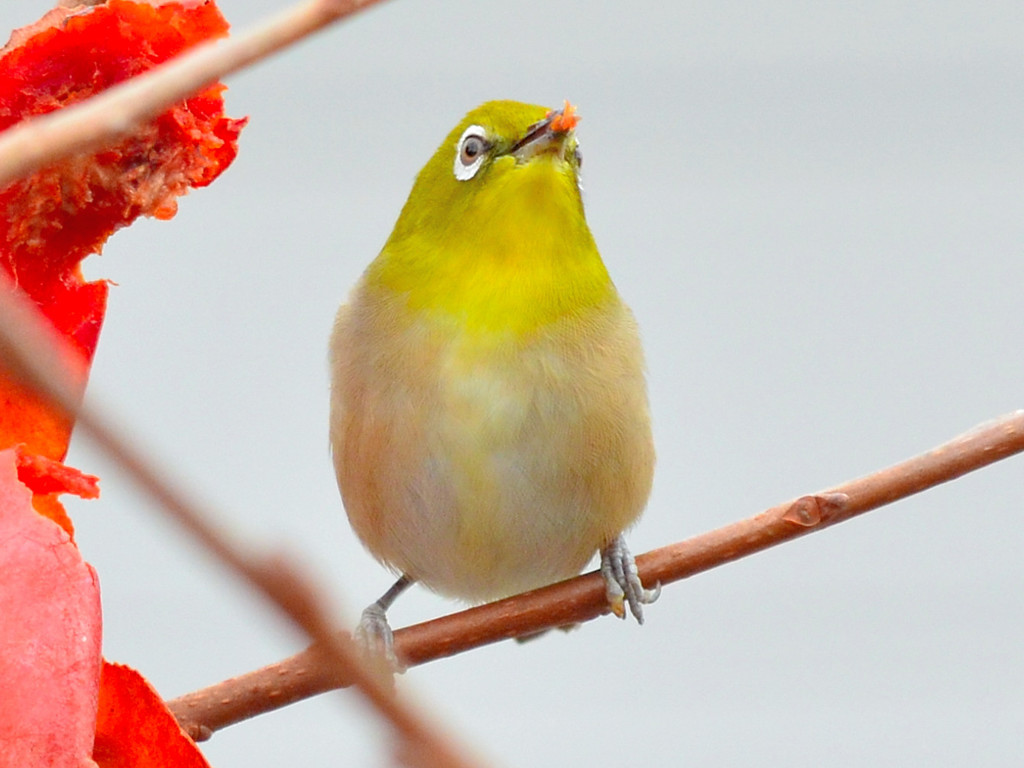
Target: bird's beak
{"points": [[549, 135]]}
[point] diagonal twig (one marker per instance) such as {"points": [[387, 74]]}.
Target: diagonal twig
{"points": [[32, 144], [31, 351]]}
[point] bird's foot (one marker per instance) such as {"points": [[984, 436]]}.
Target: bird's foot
{"points": [[622, 582], [375, 639], [374, 636]]}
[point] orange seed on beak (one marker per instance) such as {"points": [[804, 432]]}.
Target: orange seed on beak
{"points": [[565, 120]]}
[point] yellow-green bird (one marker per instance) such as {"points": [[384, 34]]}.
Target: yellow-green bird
{"points": [[489, 416]]}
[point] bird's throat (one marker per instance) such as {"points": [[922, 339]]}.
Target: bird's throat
{"points": [[520, 258]]}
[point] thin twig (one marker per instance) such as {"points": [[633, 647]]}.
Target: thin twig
{"points": [[32, 144], [583, 598], [31, 351]]}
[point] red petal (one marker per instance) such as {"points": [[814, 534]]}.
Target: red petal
{"points": [[54, 218], [49, 636], [134, 729], [43, 475]]}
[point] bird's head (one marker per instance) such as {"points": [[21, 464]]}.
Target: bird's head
{"points": [[504, 164], [493, 232]]}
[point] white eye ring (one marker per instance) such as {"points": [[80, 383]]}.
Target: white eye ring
{"points": [[470, 152]]}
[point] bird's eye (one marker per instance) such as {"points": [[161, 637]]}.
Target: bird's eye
{"points": [[579, 158], [470, 152], [471, 147]]}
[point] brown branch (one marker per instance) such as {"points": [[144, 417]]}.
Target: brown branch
{"points": [[31, 351], [32, 144], [583, 598]]}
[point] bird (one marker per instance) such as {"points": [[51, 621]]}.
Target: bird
{"points": [[489, 418]]}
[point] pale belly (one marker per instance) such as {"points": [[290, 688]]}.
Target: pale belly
{"points": [[482, 472]]}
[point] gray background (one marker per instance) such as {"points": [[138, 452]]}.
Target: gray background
{"points": [[817, 213]]}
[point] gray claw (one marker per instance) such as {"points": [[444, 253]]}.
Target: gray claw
{"points": [[375, 638], [622, 582]]}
